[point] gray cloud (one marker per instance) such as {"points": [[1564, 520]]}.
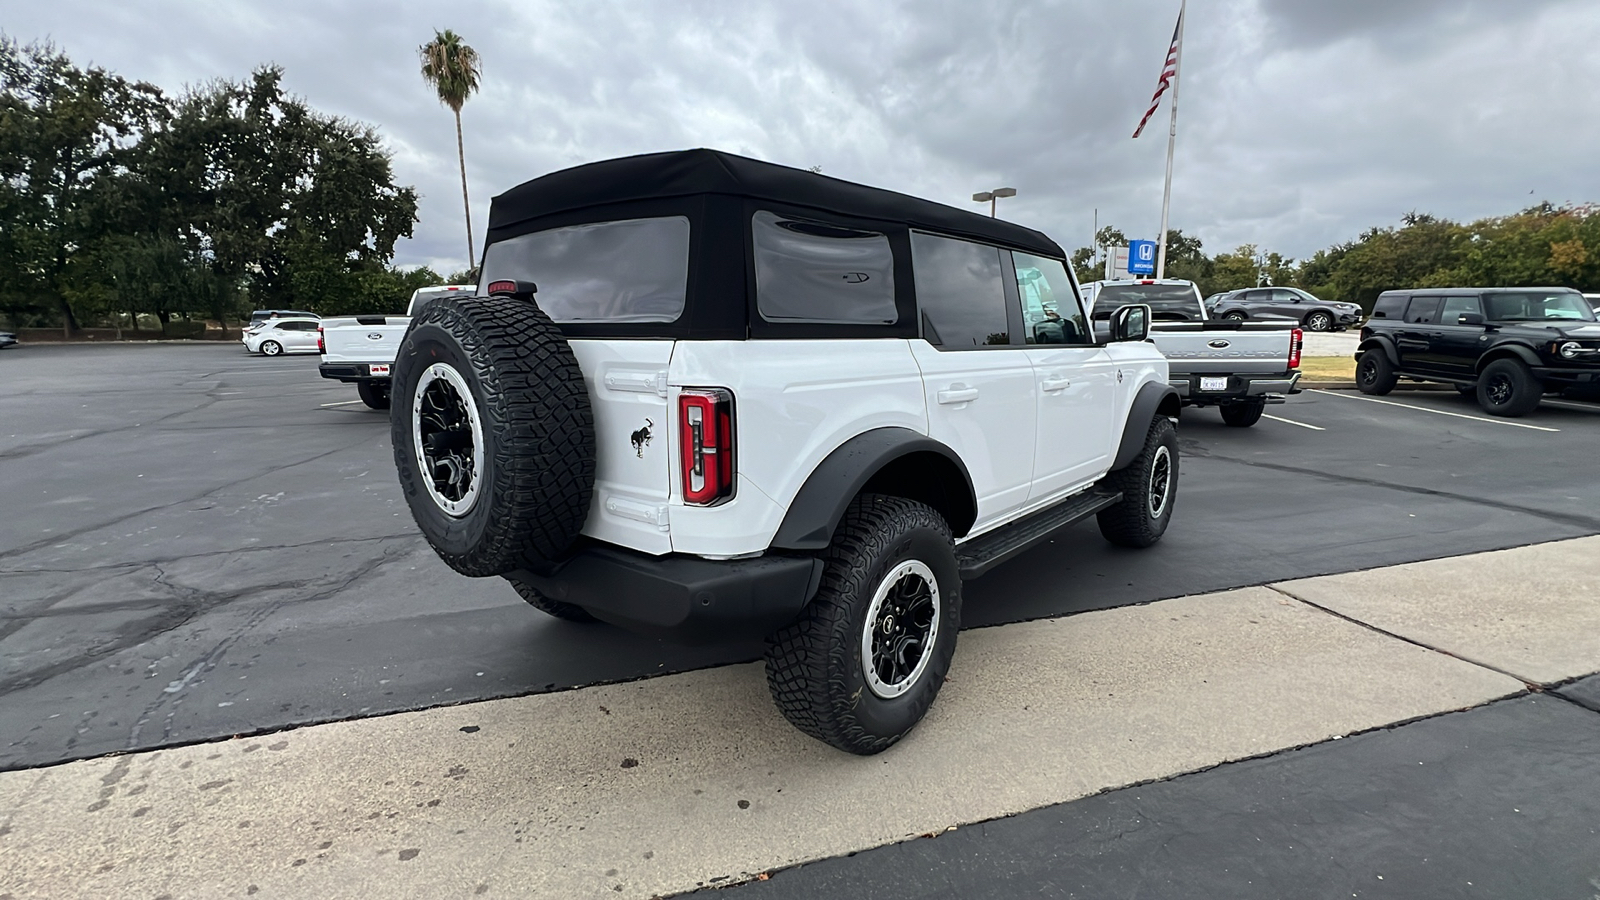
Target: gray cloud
{"points": [[1301, 123]]}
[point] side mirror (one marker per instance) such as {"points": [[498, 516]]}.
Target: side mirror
{"points": [[1470, 319], [1130, 323]]}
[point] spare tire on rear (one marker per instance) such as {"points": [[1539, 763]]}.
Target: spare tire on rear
{"points": [[493, 434]]}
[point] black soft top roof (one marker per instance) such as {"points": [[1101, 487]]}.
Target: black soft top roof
{"points": [[682, 173]]}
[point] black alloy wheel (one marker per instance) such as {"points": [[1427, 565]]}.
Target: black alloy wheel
{"points": [[1319, 321], [1507, 387], [903, 626], [1149, 487], [1375, 374], [448, 438]]}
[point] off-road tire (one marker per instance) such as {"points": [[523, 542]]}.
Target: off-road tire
{"points": [[270, 348], [373, 395], [1319, 321], [1137, 520], [538, 467], [566, 611], [1243, 415], [1506, 387], [1375, 375], [814, 664]]}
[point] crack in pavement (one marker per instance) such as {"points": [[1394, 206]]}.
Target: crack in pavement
{"points": [[1591, 523], [31, 449], [78, 532], [209, 553]]}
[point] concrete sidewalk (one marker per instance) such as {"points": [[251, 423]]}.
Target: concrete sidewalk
{"points": [[664, 785]]}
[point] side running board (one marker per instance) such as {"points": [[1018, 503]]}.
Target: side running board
{"points": [[982, 553]]}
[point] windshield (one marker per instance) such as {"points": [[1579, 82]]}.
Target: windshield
{"points": [[1538, 306], [1168, 302]]}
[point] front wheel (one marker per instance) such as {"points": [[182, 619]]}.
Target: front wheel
{"points": [[1149, 486], [1508, 388], [1244, 414], [861, 665], [271, 348], [373, 394], [1375, 374], [1235, 316], [1319, 321]]}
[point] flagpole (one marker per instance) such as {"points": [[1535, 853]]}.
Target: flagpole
{"points": [[1172, 140]]}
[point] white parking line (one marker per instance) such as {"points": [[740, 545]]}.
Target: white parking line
{"points": [[1293, 422], [341, 403], [1435, 411]]}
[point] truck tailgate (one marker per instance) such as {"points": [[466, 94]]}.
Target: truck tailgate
{"points": [[1224, 347], [372, 339]]}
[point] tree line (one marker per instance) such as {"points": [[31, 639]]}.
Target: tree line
{"points": [[1544, 245], [119, 201]]}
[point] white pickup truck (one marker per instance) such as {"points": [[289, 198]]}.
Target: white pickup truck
{"points": [[1238, 367], [360, 350]]}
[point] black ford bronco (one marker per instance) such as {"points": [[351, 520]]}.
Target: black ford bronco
{"points": [[1505, 346]]}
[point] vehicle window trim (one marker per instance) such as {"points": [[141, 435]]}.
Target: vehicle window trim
{"points": [[1013, 310]]}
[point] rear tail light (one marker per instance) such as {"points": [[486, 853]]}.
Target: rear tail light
{"points": [[322, 346], [705, 432], [1297, 340]]}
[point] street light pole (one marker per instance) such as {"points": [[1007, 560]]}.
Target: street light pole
{"points": [[990, 197]]}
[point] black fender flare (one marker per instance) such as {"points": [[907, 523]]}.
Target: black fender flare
{"points": [[1153, 396], [1504, 350], [1380, 343], [820, 504]]}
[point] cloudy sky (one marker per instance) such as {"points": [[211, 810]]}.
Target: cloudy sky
{"points": [[1302, 122]]}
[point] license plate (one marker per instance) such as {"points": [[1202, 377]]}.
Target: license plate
{"points": [[377, 370], [1214, 384]]}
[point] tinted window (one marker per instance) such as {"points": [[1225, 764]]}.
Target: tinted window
{"points": [[1454, 307], [1389, 306], [960, 292], [1423, 310], [636, 270], [1279, 295], [1050, 313], [1256, 296], [1535, 306], [812, 272], [1168, 302]]}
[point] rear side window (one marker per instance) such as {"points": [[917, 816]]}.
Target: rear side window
{"points": [[960, 292], [1389, 306], [1423, 310], [814, 272], [633, 270]]}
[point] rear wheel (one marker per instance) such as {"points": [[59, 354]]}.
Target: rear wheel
{"points": [[1243, 415], [1506, 387], [861, 665], [1149, 486], [373, 394], [1375, 374], [1319, 321], [1235, 316], [271, 348], [493, 435]]}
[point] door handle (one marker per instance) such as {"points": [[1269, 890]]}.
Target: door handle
{"points": [[958, 395], [1051, 385]]}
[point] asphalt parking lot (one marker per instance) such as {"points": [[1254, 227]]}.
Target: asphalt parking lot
{"points": [[198, 544]]}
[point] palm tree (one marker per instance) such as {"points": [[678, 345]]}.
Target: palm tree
{"points": [[453, 68]]}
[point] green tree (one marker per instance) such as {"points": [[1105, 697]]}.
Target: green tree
{"points": [[453, 69]]}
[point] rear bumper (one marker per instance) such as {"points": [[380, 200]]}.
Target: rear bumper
{"points": [[1240, 387], [349, 372], [686, 598]]}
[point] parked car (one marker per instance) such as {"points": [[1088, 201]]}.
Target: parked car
{"points": [[274, 336], [1505, 346], [360, 350], [1594, 302], [262, 315], [1238, 367], [811, 422], [7, 339], [1304, 307]]}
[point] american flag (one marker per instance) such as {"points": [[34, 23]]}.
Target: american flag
{"points": [[1168, 72]]}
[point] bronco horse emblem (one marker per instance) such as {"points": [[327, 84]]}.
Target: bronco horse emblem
{"points": [[641, 438]]}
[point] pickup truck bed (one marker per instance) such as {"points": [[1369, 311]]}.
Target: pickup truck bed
{"points": [[1253, 357]]}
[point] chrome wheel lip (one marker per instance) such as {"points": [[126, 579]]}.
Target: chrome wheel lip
{"points": [[1159, 496], [876, 616], [447, 374]]}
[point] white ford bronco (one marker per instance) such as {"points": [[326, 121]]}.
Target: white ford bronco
{"points": [[706, 396]]}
